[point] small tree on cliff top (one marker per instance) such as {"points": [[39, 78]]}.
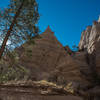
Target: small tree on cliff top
{"points": [[18, 22]]}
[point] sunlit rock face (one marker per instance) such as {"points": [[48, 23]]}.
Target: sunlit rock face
{"points": [[90, 37], [85, 38], [90, 41]]}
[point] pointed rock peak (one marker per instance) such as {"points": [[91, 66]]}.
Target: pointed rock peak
{"points": [[48, 30]]}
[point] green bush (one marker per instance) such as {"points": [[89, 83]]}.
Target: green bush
{"points": [[14, 73]]}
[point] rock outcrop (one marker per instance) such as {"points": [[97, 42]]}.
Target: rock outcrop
{"points": [[90, 41], [90, 38], [46, 59], [85, 38]]}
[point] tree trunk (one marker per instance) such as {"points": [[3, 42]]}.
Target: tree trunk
{"points": [[10, 29]]}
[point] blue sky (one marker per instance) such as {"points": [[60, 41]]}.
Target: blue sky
{"points": [[67, 18]]}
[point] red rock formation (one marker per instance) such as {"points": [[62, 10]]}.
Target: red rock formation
{"points": [[48, 60]]}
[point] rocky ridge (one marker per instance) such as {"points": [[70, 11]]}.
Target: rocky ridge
{"points": [[47, 59]]}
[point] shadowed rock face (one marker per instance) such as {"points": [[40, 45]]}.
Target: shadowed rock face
{"points": [[48, 60], [42, 57], [36, 97], [34, 90]]}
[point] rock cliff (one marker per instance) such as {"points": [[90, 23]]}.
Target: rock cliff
{"points": [[90, 41], [90, 37], [46, 59]]}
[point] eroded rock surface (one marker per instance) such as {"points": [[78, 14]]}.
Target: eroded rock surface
{"points": [[47, 59], [90, 41]]}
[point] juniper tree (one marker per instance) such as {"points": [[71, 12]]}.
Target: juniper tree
{"points": [[18, 22]]}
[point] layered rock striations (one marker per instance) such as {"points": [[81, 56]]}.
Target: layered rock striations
{"points": [[90, 38], [46, 59], [90, 41], [85, 38]]}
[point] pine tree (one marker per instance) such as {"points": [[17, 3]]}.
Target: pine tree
{"points": [[18, 22]]}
